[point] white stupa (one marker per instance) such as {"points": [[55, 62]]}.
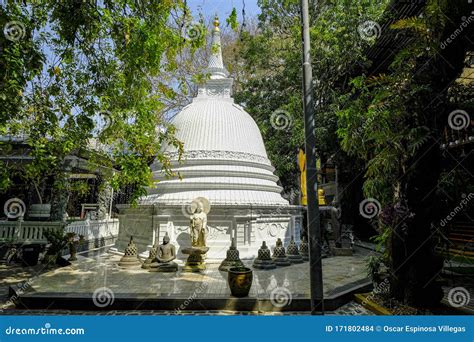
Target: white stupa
{"points": [[224, 161]]}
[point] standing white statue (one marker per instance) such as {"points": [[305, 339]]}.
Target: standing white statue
{"points": [[199, 222]]}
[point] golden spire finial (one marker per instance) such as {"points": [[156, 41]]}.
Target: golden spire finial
{"points": [[216, 23]]}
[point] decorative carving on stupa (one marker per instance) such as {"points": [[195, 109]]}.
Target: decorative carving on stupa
{"points": [[293, 253], [279, 254], [232, 258], [130, 257], [264, 260]]}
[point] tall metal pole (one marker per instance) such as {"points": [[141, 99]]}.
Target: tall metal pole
{"points": [[314, 228]]}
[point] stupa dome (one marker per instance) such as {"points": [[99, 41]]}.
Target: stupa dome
{"points": [[218, 124], [224, 155]]}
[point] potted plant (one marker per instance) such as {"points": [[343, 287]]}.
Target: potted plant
{"points": [[240, 281], [73, 241]]}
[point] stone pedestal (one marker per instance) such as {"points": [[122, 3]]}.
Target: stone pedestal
{"points": [[279, 255], [195, 261], [264, 260], [232, 259], [166, 267], [304, 249], [130, 258], [293, 253]]}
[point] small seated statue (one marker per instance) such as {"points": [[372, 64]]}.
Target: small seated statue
{"points": [[164, 258]]}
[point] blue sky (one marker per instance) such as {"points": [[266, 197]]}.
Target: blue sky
{"points": [[223, 8]]}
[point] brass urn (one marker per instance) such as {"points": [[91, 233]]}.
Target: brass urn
{"points": [[240, 281]]}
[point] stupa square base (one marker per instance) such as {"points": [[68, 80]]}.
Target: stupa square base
{"points": [[73, 287], [248, 225]]}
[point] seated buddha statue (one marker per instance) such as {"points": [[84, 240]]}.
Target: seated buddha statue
{"points": [[164, 258]]}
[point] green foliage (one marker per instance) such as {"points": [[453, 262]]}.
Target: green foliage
{"points": [[373, 267], [56, 239], [232, 20], [84, 71], [271, 73], [382, 120]]}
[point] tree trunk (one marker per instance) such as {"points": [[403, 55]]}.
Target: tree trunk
{"points": [[60, 196], [103, 199], [414, 266]]}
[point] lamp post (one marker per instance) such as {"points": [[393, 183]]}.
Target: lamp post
{"points": [[314, 228]]}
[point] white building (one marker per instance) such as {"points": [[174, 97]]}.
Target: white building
{"points": [[225, 161]]}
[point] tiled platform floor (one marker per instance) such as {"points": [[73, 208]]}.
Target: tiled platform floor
{"points": [[88, 274]]}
